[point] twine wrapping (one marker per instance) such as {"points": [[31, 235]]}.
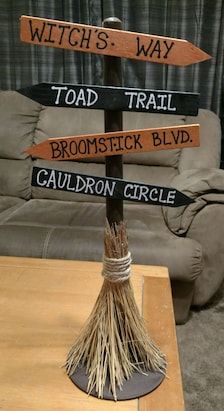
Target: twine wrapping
{"points": [[117, 270]]}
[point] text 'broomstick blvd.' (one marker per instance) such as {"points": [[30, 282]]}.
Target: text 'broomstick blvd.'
{"points": [[85, 38], [115, 143], [107, 187]]}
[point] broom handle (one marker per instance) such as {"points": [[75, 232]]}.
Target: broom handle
{"points": [[113, 122]]}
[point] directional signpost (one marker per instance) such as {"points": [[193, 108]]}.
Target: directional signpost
{"points": [[113, 98], [112, 42], [115, 143], [108, 187], [113, 357]]}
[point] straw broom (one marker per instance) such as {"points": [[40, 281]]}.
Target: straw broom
{"points": [[114, 342]]}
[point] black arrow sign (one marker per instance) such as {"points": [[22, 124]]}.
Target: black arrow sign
{"points": [[108, 187], [113, 98]]}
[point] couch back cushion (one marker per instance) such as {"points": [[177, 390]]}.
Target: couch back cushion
{"points": [[61, 122], [18, 119], [164, 158], [25, 122]]}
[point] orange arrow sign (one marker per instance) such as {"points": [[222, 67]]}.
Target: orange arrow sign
{"points": [[114, 143], [119, 43]]}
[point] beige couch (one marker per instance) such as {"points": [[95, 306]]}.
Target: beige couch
{"points": [[44, 223]]}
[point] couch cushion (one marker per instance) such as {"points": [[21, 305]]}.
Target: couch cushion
{"points": [[167, 158], [24, 122], [61, 122], [75, 231], [15, 178], [209, 153], [8, 205], [18, 118]]}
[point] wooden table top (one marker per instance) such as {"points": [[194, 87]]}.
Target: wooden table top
{"points": [[43, 305]]}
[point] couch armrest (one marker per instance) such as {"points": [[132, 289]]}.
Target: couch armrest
{"points": [[202, 221], [207, 228], [209, 153], [205, 186]]}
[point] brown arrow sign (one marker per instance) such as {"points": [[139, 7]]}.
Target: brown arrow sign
{"points": [[115, 143], [119, 43]]}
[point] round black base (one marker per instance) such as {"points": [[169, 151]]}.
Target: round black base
{"points": [[137, 386]]}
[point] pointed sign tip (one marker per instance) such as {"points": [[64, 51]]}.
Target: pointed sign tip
{"points": [[205, 56], [26, 151], [30, 151], [197, 55]]}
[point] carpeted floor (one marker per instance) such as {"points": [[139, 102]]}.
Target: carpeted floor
{"points": [[201, 347]]}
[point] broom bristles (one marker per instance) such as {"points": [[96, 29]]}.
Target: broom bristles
{"points": [[114, 343]]}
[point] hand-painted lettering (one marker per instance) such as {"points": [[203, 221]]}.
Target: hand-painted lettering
{"points": [[65, 149], [141, 47], [62, 180], [141, 97], [185, 137], [36, 33], [129, 145], [62, 28], [156, 139], [102, 145], [92, 97], [112, 98], [170, 137], [169, 102], [59, 90], [162, 98], [70, 97], [131, 95], [76, 98], [49, 40], [119, 43], [103, 37], [149, 101], [175, 136], [168, 48], [55, 152], [145, 193], [70, 37], [40, 177], [107, 187], [81, 98], [155, 49], [86, 35]]}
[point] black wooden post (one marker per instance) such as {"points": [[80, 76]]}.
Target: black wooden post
{"points": [[113, 122]]}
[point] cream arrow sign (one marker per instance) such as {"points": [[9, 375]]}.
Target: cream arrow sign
{"points": [[119, 43]]}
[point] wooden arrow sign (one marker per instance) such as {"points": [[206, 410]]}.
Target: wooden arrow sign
{"points": [[115, 143], [92, 39], [108, 187], [113, 98]]}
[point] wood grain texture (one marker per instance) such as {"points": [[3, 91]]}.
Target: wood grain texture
{"points": [[92, 39], [116, 143], [43, 305]]}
